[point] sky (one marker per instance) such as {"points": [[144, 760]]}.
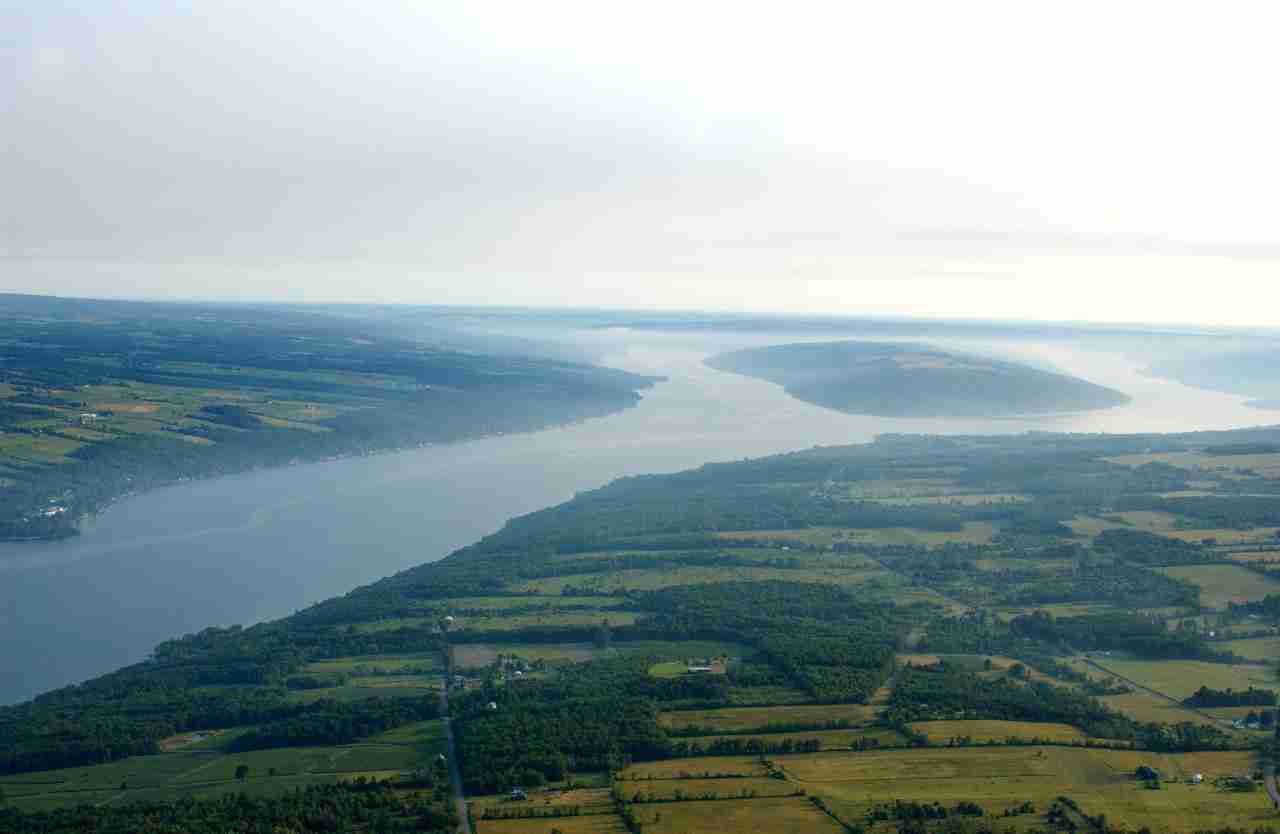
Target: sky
{"points": [[1083, 161]]}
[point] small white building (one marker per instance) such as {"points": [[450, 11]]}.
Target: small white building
{"points": [[1197, 779], [492, 706]]}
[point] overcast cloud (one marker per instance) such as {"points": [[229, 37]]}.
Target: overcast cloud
{"points": [[1108, 161]]}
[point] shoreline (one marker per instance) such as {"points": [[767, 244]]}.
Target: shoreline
{"points": [[80, 519]]}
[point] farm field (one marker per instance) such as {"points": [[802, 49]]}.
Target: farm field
{"points": [[427, 661], [974, 532], [737, 719], [592, 824], [648, 580], [746, 816], [939, 732], [1143, 706], [998, 777], [475, 655], [1259, 648], [1224, 584], [206, 774], [831, 739], [700, 767], [1180, 678]]}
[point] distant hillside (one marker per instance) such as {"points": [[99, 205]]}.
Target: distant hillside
{"points": [[909, 380]]}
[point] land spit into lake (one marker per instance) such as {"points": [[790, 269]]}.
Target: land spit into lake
{"points": [[890, 379]]}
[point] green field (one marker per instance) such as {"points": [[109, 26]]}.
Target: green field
{"points": [[1264, 648], [999, 777], [1224, 584], [1180, 678]]}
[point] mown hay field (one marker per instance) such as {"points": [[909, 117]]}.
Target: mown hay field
{"points": [[831, 739], [1000, 777], [979, 731], [732, 719], [586, 824], [696, 768], [745, 816], [1179, 678], [1261, 648], [1223, 584]]}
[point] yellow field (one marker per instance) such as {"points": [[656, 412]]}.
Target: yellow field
{"points": [[715, 788], [831, 739], [939, 731], [1261, 648], [1143, 706], [731, 719], [748, 816], [997, 777], [587, 800], [697, 767], [1223, 584], [593, 824]]}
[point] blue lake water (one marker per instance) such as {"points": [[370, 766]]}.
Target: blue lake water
{"points": [[261, 545]]}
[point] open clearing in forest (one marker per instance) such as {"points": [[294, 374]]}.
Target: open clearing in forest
{"points": [[1179, 678], [746, 816], [1001, 777], [701, 767], [831, 739], [209, 773], [650, 579], [1259, 648], [972, 532], [979, 731], [477, 655], [592, 824], [737, 719], [1224, 584]]}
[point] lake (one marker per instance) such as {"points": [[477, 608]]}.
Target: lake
{"points": [[261, 545]]}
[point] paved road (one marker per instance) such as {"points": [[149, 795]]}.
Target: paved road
{"points": [[455, 778]]}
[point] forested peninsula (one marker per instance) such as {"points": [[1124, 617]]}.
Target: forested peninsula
{"points": [[891, 379], [99, 399]]}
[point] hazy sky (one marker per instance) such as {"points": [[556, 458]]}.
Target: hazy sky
{"points": [[1105, 161]]}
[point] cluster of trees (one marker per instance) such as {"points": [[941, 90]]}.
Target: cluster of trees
{"points": [[1148, 548], [826, 642], [1206, 697], [738, 746], [360, 808], [333, 722], [901, 810], [1234, 512], [1146, 637], [218, 678], [944, 691], [538, 733]]}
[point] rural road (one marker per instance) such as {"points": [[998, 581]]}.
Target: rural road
{"points": [[455, 778]]}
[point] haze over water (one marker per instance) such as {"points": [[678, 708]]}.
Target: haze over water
{"points": [[261, 545]]}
